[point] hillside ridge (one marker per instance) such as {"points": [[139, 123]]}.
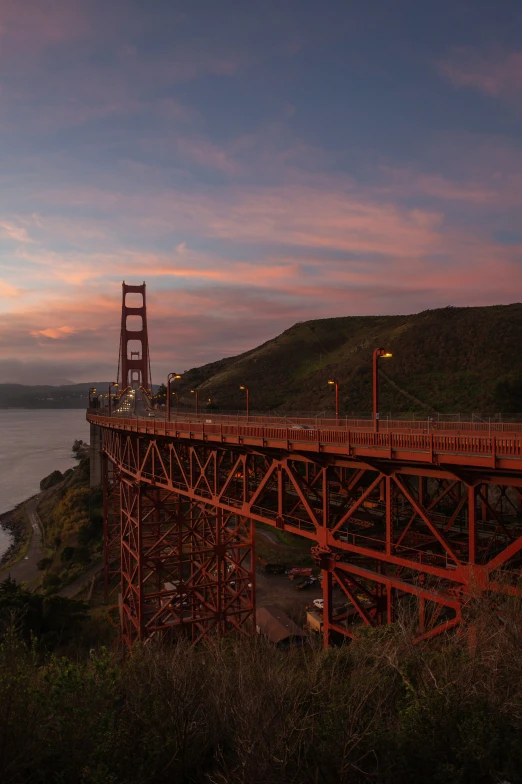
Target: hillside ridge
{"points": [[448, 359]]}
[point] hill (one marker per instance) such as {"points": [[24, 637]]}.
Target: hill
{"points": [[447, 360], [45, 396]]}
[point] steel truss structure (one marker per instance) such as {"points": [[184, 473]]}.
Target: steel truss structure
{"points": [[386, 532], [185, 567]]}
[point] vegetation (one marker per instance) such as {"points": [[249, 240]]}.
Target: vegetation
{"points": [[52, 479], [44, 622], [17, 523], [378, 710], [446, 360], [72, 518]]}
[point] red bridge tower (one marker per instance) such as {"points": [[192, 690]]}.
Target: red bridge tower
{"points": [[134, 342]]}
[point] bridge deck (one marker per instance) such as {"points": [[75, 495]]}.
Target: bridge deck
{"points": [[500, 451], [396, 516]]}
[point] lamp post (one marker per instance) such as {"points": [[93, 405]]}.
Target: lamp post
{"points": [[176, 395], [169, 379], [245, 389], [112, 384], [195, 392], [334, 381], [92, 392], [379, 353]]}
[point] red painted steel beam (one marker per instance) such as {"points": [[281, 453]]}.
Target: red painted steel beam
{"points": [[301, 493]]}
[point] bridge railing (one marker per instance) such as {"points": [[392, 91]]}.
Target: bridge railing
{"points": [[441, 443], [345, 423]]}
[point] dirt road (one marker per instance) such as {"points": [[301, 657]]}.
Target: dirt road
{"points": [[26, 570]]}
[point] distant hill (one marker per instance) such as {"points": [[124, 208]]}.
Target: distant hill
{"points": [[45, 396], [447, 360]]}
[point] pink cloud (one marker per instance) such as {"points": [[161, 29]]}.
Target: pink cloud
{"points": [[7, 291], [497, 74], [204, 153], [313, 217], [54, 333], [14, 231], [415, 182], [219, 311]]}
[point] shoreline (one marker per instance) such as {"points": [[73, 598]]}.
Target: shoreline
{"points": [[16, 522]]}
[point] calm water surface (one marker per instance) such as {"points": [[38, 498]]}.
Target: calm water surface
{"points": [[34, 443]]}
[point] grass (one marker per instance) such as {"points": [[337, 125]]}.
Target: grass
{"points": [[290, 549], [450, 359], [71, 517]]}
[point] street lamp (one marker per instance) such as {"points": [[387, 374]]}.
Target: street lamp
{"points": [[245, 389], [176, 395], [169, 379], [145, 392], [92, 391], [195, 392], [112, 384], [334, 381], [379, 353]]}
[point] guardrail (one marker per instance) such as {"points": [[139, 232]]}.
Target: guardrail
{"points": [[317, 438], [343, 423]]}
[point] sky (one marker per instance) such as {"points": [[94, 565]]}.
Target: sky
{"points": [[256, 163]]}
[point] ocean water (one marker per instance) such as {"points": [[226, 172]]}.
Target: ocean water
{"points": [[32, 444]]}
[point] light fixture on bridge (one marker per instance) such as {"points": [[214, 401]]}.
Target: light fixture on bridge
{"points": [[379, 353], [335, 383], [245, 390], [112, 384], [170, 377], [195, 392]]}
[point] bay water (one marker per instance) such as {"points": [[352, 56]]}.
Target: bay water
{"points": [[33, 443]]}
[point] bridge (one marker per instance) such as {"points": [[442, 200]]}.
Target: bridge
{"points": [[406, 515]]}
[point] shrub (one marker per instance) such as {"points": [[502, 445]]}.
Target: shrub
{"points": [[67, 553], [51, 480], [51, 582]]}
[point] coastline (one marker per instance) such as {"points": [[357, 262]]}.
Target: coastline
{"points": [[16, 522]]}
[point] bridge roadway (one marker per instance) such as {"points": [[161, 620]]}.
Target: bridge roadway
{"points": [[467, 445], [409, 518]]}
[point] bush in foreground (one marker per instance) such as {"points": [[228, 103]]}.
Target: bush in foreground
{"points": [[379, 710]]}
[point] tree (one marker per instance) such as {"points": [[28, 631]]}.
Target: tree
{"points": [[508, 395], [51, 620]]}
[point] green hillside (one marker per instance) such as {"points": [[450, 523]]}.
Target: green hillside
{"points": [[448, 360]]}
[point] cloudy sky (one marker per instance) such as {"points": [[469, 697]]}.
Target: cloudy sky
{"points": [[257, 163]]}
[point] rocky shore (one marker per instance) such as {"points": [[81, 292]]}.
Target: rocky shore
{"points": [[16, 523]]}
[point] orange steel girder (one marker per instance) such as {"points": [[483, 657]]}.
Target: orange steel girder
{"points": [[386, 534], [185, 566]]}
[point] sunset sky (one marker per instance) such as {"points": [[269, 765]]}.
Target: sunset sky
{"points": [[256, 163]]}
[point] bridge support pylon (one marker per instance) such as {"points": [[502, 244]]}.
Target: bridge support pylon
{"points": [[134, 342], [186, 568]]}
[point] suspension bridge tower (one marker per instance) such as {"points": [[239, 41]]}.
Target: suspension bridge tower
{"points": [[134, 360]]}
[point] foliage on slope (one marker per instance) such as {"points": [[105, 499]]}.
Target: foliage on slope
{"points": [[71, 513], [44, 622], [447, 360], [378, 710]]}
